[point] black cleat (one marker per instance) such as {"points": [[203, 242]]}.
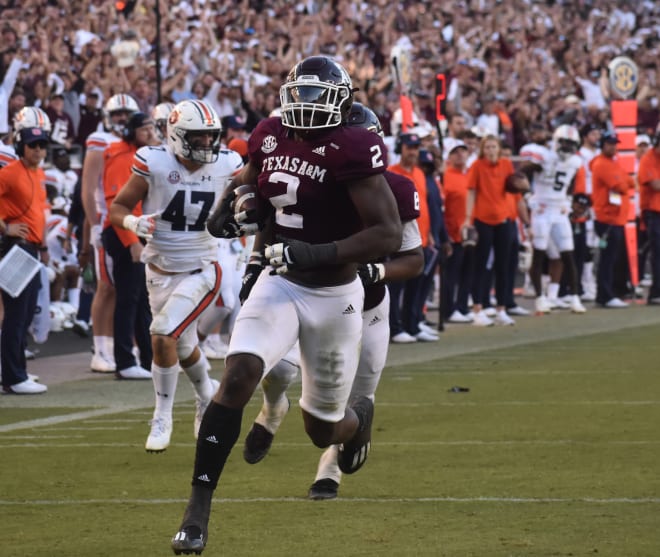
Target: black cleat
{"points": [[323, 489], [353, 454], [257, 444], [189, 540]]}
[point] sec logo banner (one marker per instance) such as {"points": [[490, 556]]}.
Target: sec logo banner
{"points": [[624, 76]]}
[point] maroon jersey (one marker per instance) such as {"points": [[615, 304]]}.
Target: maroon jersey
{"points": [[407, 202], [405, 194], [306, 180]]}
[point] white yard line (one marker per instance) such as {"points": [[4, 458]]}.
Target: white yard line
{"points": [[248, 500]]}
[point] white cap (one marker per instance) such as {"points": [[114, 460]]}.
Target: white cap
{"points": [[642, 138]]}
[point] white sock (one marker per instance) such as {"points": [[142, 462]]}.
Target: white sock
{"points": [[73, 296], [276, 403], [104, 346], [164, 380], [553, 290], [198, 373], [328, 467]]}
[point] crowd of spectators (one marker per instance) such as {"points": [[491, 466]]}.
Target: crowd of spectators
{"points": [[522, 61], [512, 67]]}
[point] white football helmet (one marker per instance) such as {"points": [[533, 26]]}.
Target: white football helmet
{"points": [[118, 104], [317, 94], [159, 115], [566, 140], [187, 118], [31, 117]]}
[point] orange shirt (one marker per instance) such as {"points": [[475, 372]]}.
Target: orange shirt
{"points": [[491, 204], [512, 200], [649, 170], [610, 185], [23, 199], [417, 177], [455, 187], [117, 161]]}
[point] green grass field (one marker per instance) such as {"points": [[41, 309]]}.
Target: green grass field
{"points": [[554, 451]]}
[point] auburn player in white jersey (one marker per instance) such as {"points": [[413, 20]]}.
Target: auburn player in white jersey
{"points": [[116, 113], [556, 174], [179, 186]]}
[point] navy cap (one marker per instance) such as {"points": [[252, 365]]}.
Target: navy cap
{"points": [[32, 135], [59, 152], [410, 139], [233, 123], [609, 137], [425, 157]]}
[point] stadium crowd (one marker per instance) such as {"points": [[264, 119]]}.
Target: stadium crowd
{"points": [[515, 70]]}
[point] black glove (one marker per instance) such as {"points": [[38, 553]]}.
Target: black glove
{"points": [[371, 273], [294, 254], [222, 223], [252, 272]]}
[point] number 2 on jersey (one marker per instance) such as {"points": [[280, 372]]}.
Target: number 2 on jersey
{"points": [[290, 220]]}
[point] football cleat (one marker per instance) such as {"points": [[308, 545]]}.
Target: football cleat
{"points": [[257, 444], [102, 364], [159, 436], [322, 489], [189, 540], [353, 454]]}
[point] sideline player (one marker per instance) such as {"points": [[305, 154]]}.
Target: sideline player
{"points": [[178, 186], [116, 113], [556, 175], [330, 208]]}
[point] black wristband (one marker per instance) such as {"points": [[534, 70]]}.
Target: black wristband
{"points": [[43, 248]]}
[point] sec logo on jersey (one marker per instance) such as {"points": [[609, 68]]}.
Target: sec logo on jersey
{"points": [[269, 144], [174, 177]]}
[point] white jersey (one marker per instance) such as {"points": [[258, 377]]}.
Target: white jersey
{"points": [[586, 155], [63, 182], [56, 231], [551, 184], [7, 154], [184, 201], [99, 141]]}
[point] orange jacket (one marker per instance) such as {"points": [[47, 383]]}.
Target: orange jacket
{"points": [[649, 170], [610, 185], [23, 199], [455, 186], [418, 178], [491, 203], [117, 161]]}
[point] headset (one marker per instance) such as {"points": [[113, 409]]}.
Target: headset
{"points": [[397, 145], [137, 120]]}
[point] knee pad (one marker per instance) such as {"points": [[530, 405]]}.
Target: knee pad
{"points": [[186, 343]]}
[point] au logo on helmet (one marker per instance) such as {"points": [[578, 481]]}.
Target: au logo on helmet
{"points": [[624, 76]]}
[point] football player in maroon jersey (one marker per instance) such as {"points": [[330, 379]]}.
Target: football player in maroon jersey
{"points": [[329, 208], [406, 263]]}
